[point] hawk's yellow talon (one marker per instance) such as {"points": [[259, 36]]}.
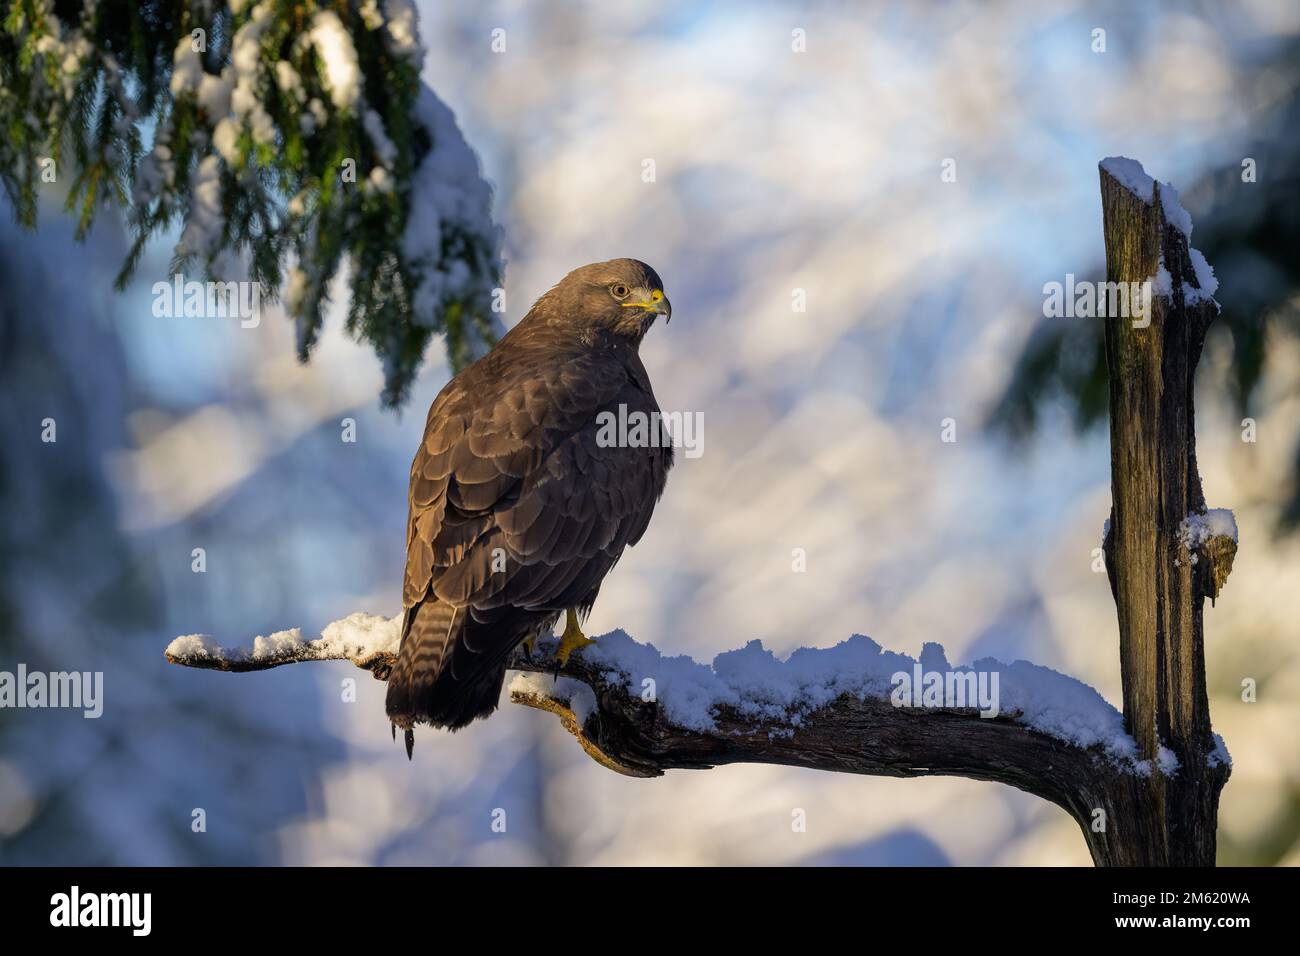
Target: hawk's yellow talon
{"points": [[572, 639]]}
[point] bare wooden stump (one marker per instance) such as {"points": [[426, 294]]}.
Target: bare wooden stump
{"points": [[1159, 590]]}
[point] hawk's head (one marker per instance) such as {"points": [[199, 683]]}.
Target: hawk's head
{"points": [[623, 296]]}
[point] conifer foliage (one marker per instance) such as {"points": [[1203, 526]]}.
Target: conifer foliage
{"points": [[293, 140]]}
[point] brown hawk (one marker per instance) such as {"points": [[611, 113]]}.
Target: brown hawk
{"points": [[518, 508]]}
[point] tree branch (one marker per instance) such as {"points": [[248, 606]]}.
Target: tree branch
{"points": [[867, 734]]}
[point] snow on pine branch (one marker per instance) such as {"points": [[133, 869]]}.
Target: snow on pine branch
{"points": [[780, 695], [291, 142]]}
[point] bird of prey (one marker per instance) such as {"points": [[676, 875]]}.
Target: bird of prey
{"points": [[518, 506]]}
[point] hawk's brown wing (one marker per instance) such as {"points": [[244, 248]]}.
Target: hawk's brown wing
{"points": [[516, 511], [518, 467]]}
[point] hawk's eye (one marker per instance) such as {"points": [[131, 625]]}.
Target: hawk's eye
{"points": [[618, 291]]}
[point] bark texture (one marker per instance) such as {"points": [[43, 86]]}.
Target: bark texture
{"points": [[1158, 585]]}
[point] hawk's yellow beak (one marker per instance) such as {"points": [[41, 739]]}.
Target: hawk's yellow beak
{"points": [[650, 300]]}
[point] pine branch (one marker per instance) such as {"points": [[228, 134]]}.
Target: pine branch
{"points": [[297, 137]]}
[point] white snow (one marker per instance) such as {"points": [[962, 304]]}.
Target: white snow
{"points": [[1162, 284], [334, 45], [157, 171], [752, 681], [279, 644], [190, 646], [1220, 754], [225, 138], [204, 226], [1207, 281], [187, 68], [355, 637], [1130, 174], [290, 83], [214, 94], [580, 698], [371, 15], [1196, 529], [1177, 216], [1167, 761], [360, 634], [448, 196], [243, 74], [403, 30]]}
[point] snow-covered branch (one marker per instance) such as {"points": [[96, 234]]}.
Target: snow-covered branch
{"points": [[852, 708], [367, 640]]}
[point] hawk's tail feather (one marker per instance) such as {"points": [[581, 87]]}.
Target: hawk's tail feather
{"points": [[438, 679], [427, 638]]}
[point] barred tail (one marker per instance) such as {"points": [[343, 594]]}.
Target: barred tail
{"points": [[427, 686]]}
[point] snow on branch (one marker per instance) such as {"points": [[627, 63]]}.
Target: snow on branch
{"points": [[854, 707], [367, 640], [749, 681]]}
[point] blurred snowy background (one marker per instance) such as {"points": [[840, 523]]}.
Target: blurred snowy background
{"points": [[775, 171]]}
